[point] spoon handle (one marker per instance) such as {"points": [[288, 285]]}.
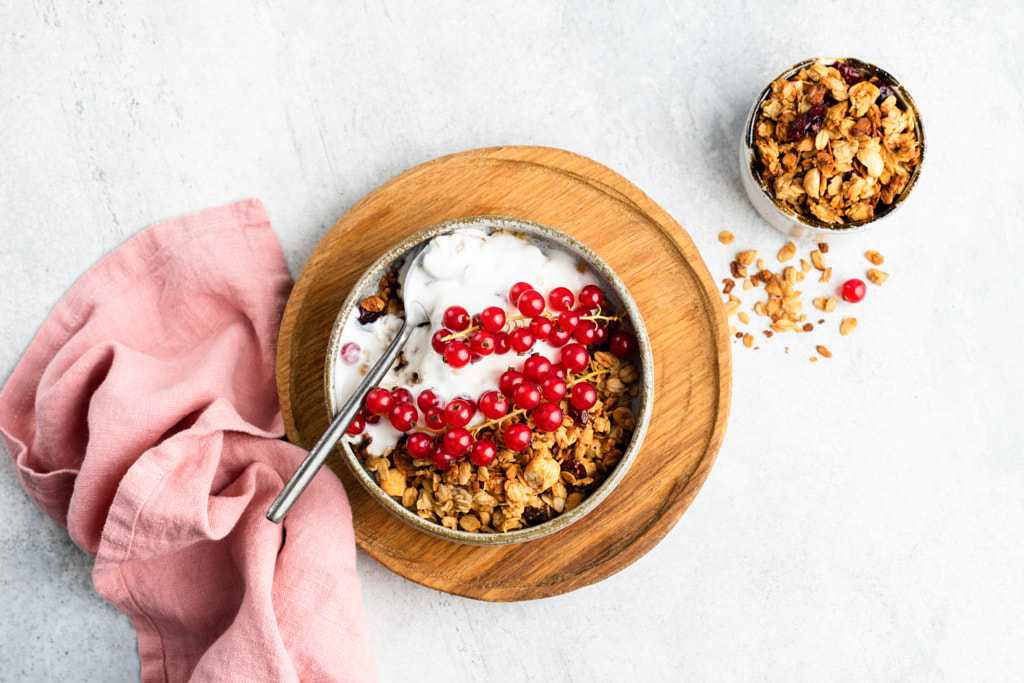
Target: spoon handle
{"points": [[305, 472]]}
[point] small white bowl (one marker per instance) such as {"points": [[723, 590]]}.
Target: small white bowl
{"points": [[548, 238], [781, 216]]}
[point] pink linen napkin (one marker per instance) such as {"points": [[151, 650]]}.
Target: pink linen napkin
{"points": [[144, 417]]}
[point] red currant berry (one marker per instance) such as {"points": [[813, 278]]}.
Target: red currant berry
{"points": [[526, 395], [622, 344], [509, 380], [552, 388], [517, 437], [561, 299], [493, 405], [531, 303], [559, 369], [458, 412], [492, 319], [456, 354], [547, 417], [585, 333], [567, 320], [357, 426], [540, 328], [370, 418], [437, 341], [600, 333], [591, 296], [853, 290], [455, 318], [403, 416], [536, 368], [427, 399], [457, 442], [559, 337], [583, 395], [574, 357], [401, 395], [379, 401], [520, 340], [419, 445], [483, 453], [500, 343], [441, 459], [517, 290], [482, 343], [434, 418]]}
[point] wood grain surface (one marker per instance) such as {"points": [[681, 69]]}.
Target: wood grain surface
{"points": [[681, 309]]}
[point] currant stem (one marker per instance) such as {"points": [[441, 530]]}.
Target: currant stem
{"points": [[491, 423]]}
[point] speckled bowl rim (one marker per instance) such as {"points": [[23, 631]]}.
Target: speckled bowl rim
{"points": [[542, 234], [812, 225]]}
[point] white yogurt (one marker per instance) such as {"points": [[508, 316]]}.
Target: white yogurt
{"points": [[468, 268]]}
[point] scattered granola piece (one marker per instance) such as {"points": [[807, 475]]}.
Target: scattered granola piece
{"points": [[823, 247], [874, 257], [805, 266], [830, 305], [748, 340], [818, 259], [731, 308], [729, 284], [847, 326], [747, 257], [743, 316], [725, 237], [824, 351], [826, 275], [819, 303], [877, 276]]}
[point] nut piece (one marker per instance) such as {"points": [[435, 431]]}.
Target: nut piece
{"points": [[747, 257], [874, 257], [393, 482], [818, 259], [877, 276], [541, 472], [748, 340], [787, 252], [820, 302], [847, 326], [725, 237], [744, 318], [824, 352], [830, 305]]}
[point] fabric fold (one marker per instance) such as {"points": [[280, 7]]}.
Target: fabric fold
{"points": [[144, 417]]}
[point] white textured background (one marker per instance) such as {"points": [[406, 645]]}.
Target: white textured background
{"points": [[864, 518]]}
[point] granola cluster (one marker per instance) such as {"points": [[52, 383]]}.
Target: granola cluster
{"points": [[832, 143], [782, 305], [553, 475]]}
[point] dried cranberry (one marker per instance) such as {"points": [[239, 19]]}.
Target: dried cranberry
{"points": [[884, 92], [366, 317], [537, 515], [808, 123], [849, 74], [575, 468], [580, 417]]}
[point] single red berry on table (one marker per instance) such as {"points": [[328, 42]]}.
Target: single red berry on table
{"points": [[574, 357], [457, 441], [419, 445], [853, 290], [559, 337], [531, 303], [492, 319], [403, 416], [483, 453], [516, 291], [508, 381], [493, 405], [459, 412], [401, 395], [552, 388], [540, 327], [434, 418], [517, 437], [536, 368], [561, 299], [583, 395], [622, 344], [482, 343], [547, 417], [442, 460], [591, 296], [357, 426], [520, 340], [427, 399], [457, 354], [526, 395], [437, 341], [379, 401], [456, 318], [585, 333]]}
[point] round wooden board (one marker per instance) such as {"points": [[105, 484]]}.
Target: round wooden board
{"points": [[681, 309]]}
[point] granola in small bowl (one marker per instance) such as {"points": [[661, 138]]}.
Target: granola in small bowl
{"points": [[831, 146], [519, 406]]}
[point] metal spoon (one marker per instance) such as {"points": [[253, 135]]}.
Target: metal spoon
{"points": [[415, 315]]}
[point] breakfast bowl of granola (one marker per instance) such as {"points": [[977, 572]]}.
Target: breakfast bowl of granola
{"points": [[831, 147], [521, 403]]}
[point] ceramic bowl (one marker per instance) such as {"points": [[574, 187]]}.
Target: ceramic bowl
{"points": [[781, 216], [546, 238]]}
